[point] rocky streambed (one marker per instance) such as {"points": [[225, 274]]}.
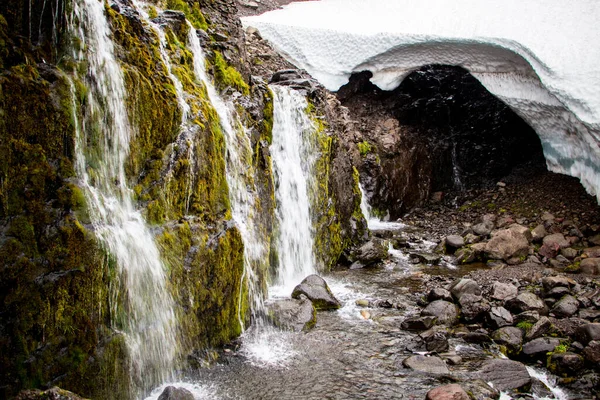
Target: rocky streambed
{"points": [[468, 302]]}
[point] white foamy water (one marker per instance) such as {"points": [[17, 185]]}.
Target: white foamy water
{"points": [[200, 392], [549, 381], [373, 222]]}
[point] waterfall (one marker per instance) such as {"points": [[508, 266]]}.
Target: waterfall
{"points": [[239, 173], [374, 223], [141, 308], [294, 154]]}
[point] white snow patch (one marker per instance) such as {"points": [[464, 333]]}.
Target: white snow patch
{"points": [[538, 56]]}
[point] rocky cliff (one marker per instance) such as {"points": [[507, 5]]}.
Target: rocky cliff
{"points": [[59, 285]]}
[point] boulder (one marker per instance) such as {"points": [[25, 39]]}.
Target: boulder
{"points": [[439, 294], [446, 313], [504, 291], [436, 340], [592, 252], [175, 393], [465, 286], [540, 328], [293, 314], [430, 365], [465, 255], [472, 306], [54, 393], [418, 323], [556, 239], [569, 253], [551, 282], [506, 374], [540, 346], [315, 288], [523, 230], [527, 301], [454, 242], [507, 244], [477, 337], [480, 390], [527, 316], [566, 306], [447, 392], [567, 363], [557, 292], [538, 233], [426, 258], [498, 317], [588, 332], [510, 337], [590, 266], [484, 228], [592, 352], [372, 252]]}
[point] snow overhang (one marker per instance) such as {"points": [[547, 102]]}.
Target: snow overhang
{"points": [[541, 57]]}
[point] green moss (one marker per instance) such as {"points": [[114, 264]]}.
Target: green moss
{"points": [[573, 268], [152, 13], [226, 75], [525, 326], [364, 148], [192, 12]]}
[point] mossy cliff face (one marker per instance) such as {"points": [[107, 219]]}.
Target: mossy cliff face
{"points": [[54, 276]]}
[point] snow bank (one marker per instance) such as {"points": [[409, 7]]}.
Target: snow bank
{"points": [[541, 57]]}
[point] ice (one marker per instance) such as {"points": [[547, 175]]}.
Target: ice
{"points": [[538, 56]]}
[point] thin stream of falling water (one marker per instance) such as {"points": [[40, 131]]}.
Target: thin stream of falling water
{"points": [[373, 222], [145, 315], [242, 194]]}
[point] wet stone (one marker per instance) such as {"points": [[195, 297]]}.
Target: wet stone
{"points": [[510, 337], [499, 317], [431, 364], [540, 328], [506, 374], [439, 294], [566, 306], [445, 312], [418, 323], [315, 288], [527, 301], [540, 346], [447, 392], [176, 393]]}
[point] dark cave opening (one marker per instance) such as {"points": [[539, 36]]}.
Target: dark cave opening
{"points": [[451, 135]]}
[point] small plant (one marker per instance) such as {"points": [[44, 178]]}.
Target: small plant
{"points": [[229, 76], [525, 325], [561, 348], [364, 148]]}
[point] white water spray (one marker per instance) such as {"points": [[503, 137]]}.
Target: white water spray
{"points": [[373, 222], [141, 308]]}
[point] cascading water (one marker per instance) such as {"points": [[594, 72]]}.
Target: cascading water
{"points": [[293, 159], [373, 222], [141, 308], [239, 170]]}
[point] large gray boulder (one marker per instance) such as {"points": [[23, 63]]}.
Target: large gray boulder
{"points": [[473, 306], [483, 228], [588, 332], [506, 374], [175, 393], [540, 346], [540, 328], [445, 312], [527, 301], [315, 288], [430, 365], [372, 252], [566, 306], [504, 291], [510, 337], [499, 317], [454, 242], [464, 286], [293, 314], [507, 244]]}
